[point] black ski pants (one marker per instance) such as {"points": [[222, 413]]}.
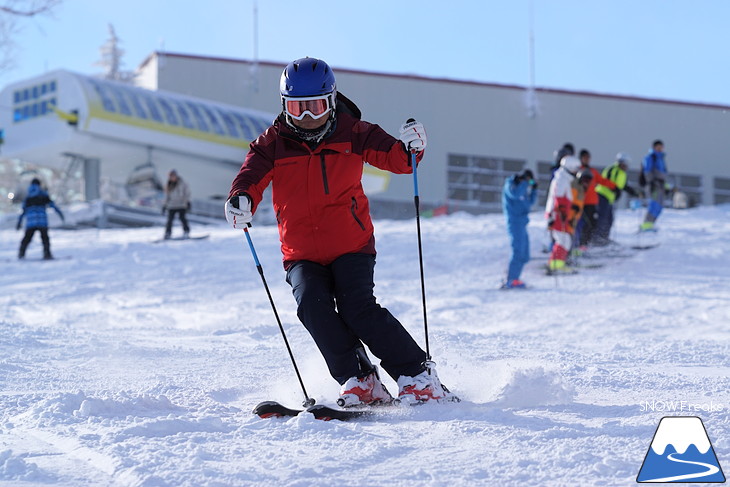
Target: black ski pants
{"points": [[29, 236], [590, 220], [335, 303], [183, 219], [605, 221]]}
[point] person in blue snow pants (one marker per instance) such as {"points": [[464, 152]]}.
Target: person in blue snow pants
{"points": [[518, 196], [654, 174]]}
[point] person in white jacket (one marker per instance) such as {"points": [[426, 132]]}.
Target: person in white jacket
{"points": [[557, 211], [177, 202]]}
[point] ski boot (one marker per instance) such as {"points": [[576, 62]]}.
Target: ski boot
{"points": [[514, 284], [423, 387], [364, 391]]}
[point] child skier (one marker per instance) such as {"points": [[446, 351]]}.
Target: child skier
{"points": [[518, 195], [313, 155], [558, 212], [34, 211]]}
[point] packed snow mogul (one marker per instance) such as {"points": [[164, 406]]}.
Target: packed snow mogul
{"points": [[558, 212], [177, 202], [518, 195], [313, 156], [34, 212]]}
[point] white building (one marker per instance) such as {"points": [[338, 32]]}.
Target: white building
{"points": [[117, 135], [481, 132]]}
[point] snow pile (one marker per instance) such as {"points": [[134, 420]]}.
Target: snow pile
{"points": [[138, 364], [13, 467], [533, 387]]}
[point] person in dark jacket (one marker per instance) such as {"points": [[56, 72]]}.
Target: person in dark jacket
{"points": [[518, 195], [313, 156], [177, 202], [607, 196], [36, 220]]}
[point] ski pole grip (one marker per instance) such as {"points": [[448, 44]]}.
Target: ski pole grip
{"points": [[410, 120], [413, 165]]}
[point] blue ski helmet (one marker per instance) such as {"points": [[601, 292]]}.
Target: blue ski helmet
{"points": [[307, 77]]}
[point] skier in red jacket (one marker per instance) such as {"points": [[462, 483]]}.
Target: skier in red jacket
{"points": [[313, 157]]}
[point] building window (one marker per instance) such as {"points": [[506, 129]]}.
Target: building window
{"points": [[32, 102], [137, 104], [106, 100], [260, 124], [721, 188], [243, 123], [229, 122], [202, 124], [169, 112], [184, 115], [121, 102], [152, 108], [475, 182], [217, 127]]}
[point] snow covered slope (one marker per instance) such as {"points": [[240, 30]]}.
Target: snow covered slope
{"points": [[137, 364]]}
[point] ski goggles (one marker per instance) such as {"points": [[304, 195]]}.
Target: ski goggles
{"points": [[315, 106]]}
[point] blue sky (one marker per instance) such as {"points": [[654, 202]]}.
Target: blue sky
{"points": [[653, 48]]}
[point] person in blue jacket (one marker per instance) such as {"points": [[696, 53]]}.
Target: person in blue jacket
{"points": [[654, 174], [518, 196], [34, 212]]}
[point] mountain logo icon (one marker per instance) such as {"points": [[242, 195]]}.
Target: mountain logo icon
{"points": [[681, 452]]}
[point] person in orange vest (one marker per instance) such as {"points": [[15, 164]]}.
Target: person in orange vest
{"points": [[589, 220], [583, 180]]}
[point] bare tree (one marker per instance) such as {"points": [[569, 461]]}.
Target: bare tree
{"points": [[111, 59], [11, 11]]}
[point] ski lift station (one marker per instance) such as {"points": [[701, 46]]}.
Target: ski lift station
{"points": [[199, 114], [130, 136]]}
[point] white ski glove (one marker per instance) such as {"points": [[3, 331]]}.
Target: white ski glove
{"points": [[413, 136], [238, 211]]}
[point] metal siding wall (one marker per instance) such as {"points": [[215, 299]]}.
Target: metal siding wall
{"points": [[488, 120]]}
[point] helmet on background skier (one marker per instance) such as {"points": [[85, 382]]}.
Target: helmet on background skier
{"points": [[584, 177], [571, 164], [308, 87], [623, 158], [527, 175]]}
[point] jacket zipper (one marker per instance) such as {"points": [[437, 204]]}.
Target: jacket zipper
{"points": [[354, 214], [324, 175]]}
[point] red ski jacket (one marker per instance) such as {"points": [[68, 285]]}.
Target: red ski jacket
{"points": [[319, 202]]}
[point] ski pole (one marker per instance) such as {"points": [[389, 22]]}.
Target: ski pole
{"points": [[308, 401], [416, 201]]}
